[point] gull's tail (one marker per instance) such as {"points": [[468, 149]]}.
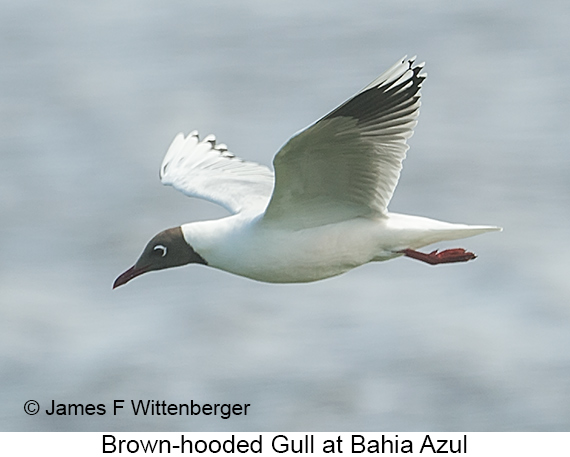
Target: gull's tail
{"points": [[416, 232]]}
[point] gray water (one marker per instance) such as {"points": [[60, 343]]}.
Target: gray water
{"points": [[92, 93]]}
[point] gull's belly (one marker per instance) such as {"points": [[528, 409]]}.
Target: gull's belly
{"points": [[281, 256]]}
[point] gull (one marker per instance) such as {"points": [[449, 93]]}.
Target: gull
{"points": [[325, 209]]}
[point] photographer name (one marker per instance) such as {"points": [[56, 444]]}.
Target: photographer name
{"points": [[149, 408]]}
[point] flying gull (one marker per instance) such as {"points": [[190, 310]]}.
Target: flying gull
{"points": [[325, 209]]}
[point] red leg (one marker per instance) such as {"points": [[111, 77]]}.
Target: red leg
{"points": [[447, 256]]}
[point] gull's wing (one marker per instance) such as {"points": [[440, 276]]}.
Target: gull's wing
{"points": [[348, 163], [205, 170]]}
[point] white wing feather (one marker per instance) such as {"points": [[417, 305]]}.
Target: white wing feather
{"points": [[348, 163], [205, 170]]}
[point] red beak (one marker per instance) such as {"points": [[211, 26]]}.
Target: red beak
{"points": [[131, 273]]}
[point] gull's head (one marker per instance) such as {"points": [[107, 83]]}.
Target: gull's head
{"points": [[166, 250]]}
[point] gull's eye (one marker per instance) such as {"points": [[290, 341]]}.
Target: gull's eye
{"points": [[160, 249]]}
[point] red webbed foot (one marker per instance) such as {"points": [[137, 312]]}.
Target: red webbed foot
{"points": [[435, 258]]}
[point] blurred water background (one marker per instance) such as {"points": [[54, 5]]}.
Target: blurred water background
{"points": [[92, 93]]}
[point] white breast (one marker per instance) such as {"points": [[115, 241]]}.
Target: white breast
{"points": [[267, 253]]}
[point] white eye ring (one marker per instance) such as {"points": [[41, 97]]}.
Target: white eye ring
{"points": [[161, 248]]}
